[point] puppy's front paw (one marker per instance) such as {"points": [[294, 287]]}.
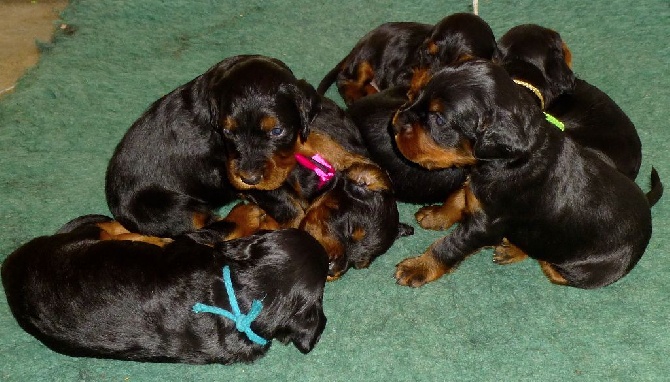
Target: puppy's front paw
{"points": [[436, 217], [417, 271], [508, 253]]}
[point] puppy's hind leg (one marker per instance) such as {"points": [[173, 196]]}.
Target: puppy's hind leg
{"points": [[552, 274]]}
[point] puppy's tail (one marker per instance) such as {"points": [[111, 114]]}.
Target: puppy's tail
{"points": [[82, 221], [328, 80], [654, 195]]}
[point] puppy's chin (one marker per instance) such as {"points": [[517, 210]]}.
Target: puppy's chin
{"points": [[275, 172]]}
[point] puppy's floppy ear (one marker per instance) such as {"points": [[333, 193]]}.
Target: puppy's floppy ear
{"points": [[307, 101], [499, 136], [558, 67], [306, 328]]}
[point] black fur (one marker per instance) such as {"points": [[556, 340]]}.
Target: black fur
{"points": [[133, 301], [558, 202], [175, 162], [391, 51], [411, 182], [355, 217], [540, 57]]}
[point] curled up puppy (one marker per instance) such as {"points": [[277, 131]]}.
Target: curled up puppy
{"points": [[85, 291], [352, 213], [540, 61]]}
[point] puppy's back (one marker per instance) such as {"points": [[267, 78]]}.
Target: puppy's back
{"points": [[128, 300]]}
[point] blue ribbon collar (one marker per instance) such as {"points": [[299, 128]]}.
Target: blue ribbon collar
{"points": [[242, 321]]}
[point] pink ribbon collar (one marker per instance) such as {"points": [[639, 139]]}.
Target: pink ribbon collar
{"points": [[320, 166]]}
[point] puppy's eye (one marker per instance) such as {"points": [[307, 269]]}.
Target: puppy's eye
{"points": [[439, 119], [277, 131]]}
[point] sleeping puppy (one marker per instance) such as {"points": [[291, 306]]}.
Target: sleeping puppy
{"points": [[401, 53], [585, 222], [233, 128], [410, 182], [455, 38], [538, 59], [85, 292], [382, 58], [355, 216]]}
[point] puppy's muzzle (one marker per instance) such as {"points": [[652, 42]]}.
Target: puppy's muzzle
{"points": [[337, 267], [250, 179], [401, 123]]}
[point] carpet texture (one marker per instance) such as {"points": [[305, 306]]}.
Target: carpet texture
{"points": [[483, 323]]}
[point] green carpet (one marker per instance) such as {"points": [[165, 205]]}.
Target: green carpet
{"points": [[483, 323]]}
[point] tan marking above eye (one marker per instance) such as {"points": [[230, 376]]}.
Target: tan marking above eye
{"points": [[229, 123], [358, 234], [433, 49], [436, 106], [268, 123]]}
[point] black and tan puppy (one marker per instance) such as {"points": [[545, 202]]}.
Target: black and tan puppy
{"points": [[234, 131], [355, 216], [456, 38], [402, 53], [585, 222], [86, 291], [332, 136], [233, 128], [383, 58], [410, 182], [538, 59]]}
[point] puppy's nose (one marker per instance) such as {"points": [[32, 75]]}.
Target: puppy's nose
{"points": [[402, 127], [336, 268], [400, 123], [251, 179]]}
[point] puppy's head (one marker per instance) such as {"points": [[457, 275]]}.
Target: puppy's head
{"points": [[456, 38], [356, 220], [539, 56], [263, 112], [466, 113], [286, 270]]}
